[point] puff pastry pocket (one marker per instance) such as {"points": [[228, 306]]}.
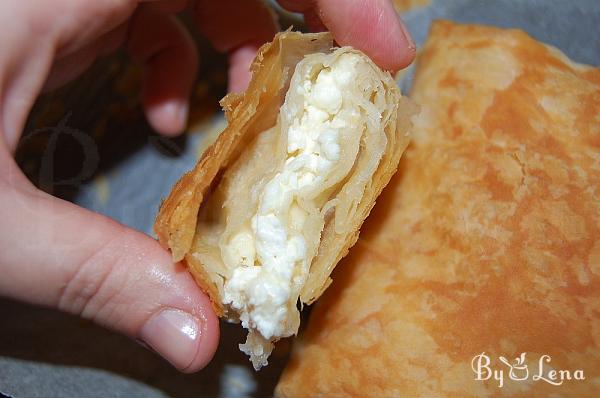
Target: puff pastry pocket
{"points": [[278, 200]]}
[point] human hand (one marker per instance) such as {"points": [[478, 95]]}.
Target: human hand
{"points": [[371, 26], [56, 254]]}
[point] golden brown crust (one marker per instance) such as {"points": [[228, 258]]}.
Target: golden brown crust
{"points": [[486, 240]]}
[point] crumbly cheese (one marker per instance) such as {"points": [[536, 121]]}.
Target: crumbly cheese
{"points": [[271, 253]]}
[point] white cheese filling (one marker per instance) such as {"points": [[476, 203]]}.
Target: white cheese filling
{"points": [[271, 253]]}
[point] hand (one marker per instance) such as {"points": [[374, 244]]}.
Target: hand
{"points": [[56, 254], [371, 26]]}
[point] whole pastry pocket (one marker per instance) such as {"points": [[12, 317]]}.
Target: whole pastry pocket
{"points": [[279, 198]]}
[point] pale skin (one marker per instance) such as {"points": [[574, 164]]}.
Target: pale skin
{"points": [[56, 254]]}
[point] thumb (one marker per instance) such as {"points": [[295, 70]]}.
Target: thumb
{"points": [[56, 254], [371, 26]]}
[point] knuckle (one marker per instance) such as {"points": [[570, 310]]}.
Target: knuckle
{"points": [[92, 287]]}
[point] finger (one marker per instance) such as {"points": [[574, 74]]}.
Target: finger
{"points": [[72, 65], [166, 6], [309, 9], [313, 21], [31, 41], [97, 18], [301, 6], [170, 60], [238, 28], [56, 254], [371, 26], [239, 67]]}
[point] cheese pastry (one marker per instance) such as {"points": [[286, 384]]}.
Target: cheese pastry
{"points": [[478, 273], [279, 199]]}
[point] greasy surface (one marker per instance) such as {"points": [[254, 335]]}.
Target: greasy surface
{"points": [[488, 239]]}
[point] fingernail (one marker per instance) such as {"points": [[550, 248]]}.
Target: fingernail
{"points": [[175, 335], [178, 112], [172, 116], [407, 35], [182, 114]]}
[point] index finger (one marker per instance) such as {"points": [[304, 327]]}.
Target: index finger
{"points": [[238, 28]]}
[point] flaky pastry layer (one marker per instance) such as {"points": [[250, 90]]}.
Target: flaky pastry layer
{"points": [[212, 205]]}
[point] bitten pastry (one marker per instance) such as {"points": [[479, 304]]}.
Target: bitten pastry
{"points": [[486, 241], [278, 200]]}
